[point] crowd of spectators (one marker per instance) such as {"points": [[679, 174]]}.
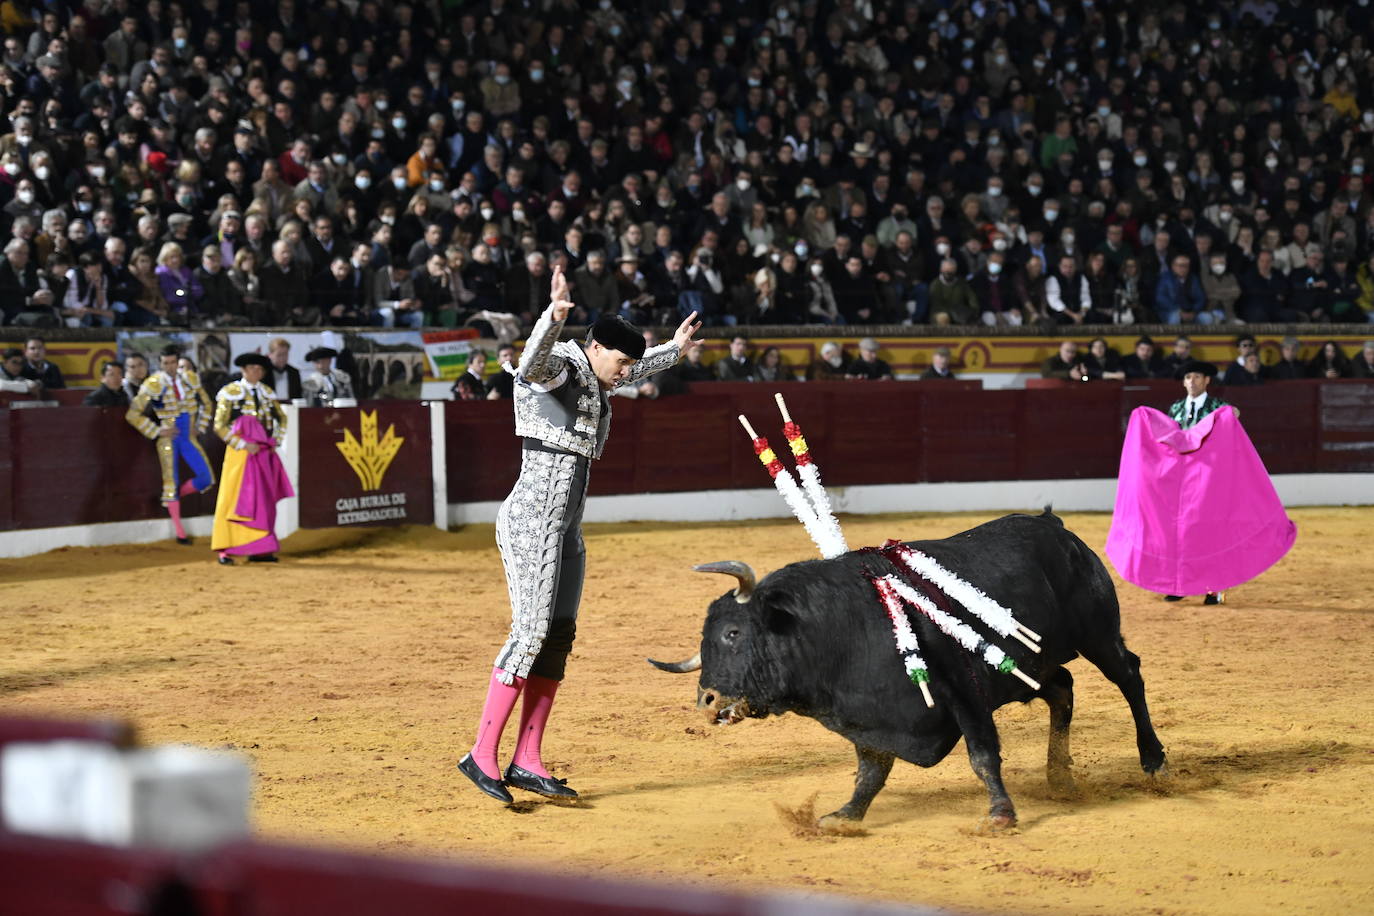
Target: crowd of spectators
{"points": [[353, 162], [1100, 361]]}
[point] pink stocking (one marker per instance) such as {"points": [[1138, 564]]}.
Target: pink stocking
{"points": [[534, 715], [187, 488], [500, 701], [174, 510]]}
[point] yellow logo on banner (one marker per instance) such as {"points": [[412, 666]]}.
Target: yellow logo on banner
{"points": [[370, 458]]}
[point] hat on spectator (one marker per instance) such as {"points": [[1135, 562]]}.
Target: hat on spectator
{"points": [[862, 150], [244, 128], [615, 333], [252, 359], [178, 219], [321, 353], [47, 60], [1197, 365], [628, 257]]}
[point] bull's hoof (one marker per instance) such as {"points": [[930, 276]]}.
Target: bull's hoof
{"points": [[838, 823], [995, 824], [1062, 784], [1160, 773]]}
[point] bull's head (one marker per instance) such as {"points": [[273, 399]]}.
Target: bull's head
{"points": [[737, 678]]}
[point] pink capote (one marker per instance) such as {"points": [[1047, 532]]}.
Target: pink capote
{"points": [[264, 484], [1195, 509]]}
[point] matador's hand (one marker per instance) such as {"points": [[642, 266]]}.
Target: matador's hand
{"points": [[558, 293], [683, 336]]}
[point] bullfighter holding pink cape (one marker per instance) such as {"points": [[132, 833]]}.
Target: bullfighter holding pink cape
{"points": [[1196, 512]]}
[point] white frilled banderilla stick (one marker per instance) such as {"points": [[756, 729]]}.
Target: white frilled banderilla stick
{"points": [[791, 494], [810, 474], [970, 596], [960, 632]]}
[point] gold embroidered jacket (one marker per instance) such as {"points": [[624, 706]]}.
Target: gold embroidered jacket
{"points": [[158, 394], [240, 398]]}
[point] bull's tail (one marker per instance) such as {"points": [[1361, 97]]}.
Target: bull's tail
{"points": [[1048, 514]]}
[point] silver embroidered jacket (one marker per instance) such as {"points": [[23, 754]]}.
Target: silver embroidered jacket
{"points": [[557, 397]]}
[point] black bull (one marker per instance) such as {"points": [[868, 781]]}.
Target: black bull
{"points": [[813, 639]]}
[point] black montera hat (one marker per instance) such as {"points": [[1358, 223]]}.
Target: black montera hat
{"points": [[1197, 365], [244, 360], [615, 333], [321, 353]]}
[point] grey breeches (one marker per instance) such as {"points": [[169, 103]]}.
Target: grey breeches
{"points": [[539, 532]]}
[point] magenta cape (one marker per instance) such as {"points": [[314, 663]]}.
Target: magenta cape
{"points": [[264, 484], [1195, 509]]}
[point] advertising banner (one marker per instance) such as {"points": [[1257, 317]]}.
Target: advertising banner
{"points": [[367, 465], [447, 352], [383, 364]]}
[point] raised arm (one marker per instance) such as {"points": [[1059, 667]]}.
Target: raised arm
{"points": [[665, 355], [537, 363]]}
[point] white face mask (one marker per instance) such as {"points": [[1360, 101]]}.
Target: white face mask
{"points": [[11, 168], [399, 183], [1140, 161], [994, 190], [1034, 189], [1271, 163], [488, 212], [1224, 216], [380, 105], [42, 173], [1170, 166], [942, 249], [388, 220], [999, 244], [25, 197], [1104, 164], [339, 158], [1067, 238], [517, 214], [1218, 269], [742, 184], [362, 182], [817, 270], [1238, 185], [1051, 215], [919, 64], [994, 268], [436, 185], [1103, 111]]}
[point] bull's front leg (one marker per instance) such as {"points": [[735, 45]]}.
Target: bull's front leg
{"points": [[874, 765], [985, 754]]}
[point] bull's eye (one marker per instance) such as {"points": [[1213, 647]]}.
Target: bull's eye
{"points": [[731, 635]]}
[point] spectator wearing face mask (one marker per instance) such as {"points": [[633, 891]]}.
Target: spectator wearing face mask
{"points": [[831, 365], [951, 298], [1222, 291]]}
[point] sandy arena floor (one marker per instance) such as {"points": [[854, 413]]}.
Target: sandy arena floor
{"points": [[353, 674]]}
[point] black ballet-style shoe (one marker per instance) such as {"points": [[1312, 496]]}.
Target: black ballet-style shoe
{"points": [[263, 558], [185, 541], [493, 787], [547, 786], [1173, 597], [1215, 598], [226, 561]]}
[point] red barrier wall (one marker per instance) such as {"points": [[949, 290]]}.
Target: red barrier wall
{"points": [[903, 432], [84, 465]]}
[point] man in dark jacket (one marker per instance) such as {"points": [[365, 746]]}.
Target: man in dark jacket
{"points": [[285, 291], [110, 392]]}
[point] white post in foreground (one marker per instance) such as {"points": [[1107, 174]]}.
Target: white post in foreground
{"points": [[438, 450], [289, 510]]}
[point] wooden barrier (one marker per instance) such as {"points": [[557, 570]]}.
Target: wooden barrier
{"points": [[84, 465], [901, 432]]}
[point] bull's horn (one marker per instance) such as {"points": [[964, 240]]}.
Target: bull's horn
{"points": [[740, 571], [691, 664]]}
